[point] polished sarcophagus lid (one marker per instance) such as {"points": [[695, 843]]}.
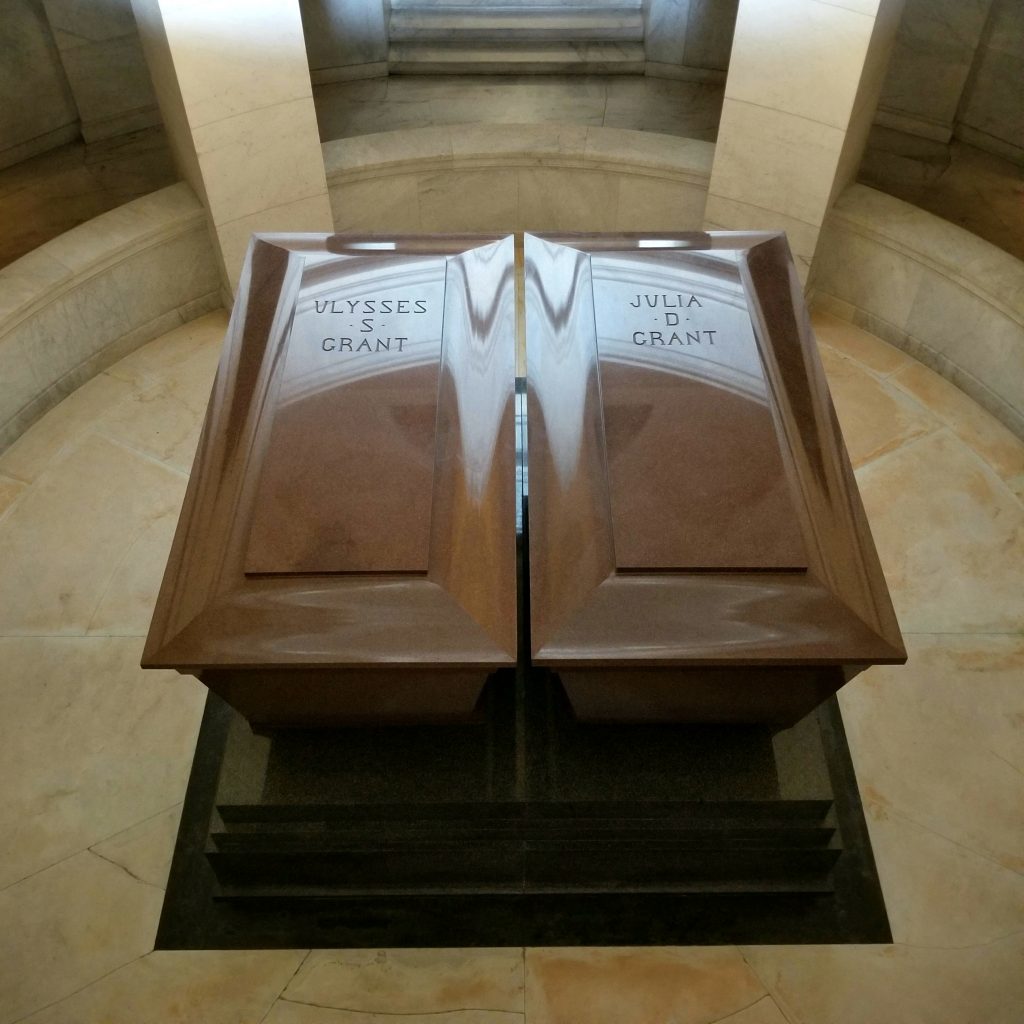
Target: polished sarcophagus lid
{"points": [[346, 551], [698, 547]]}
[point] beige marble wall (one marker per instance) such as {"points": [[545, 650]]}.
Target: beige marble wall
{"points": [[798, 101], [689, 39], [932, 58], [957, 70], [37, 111], [85, 299], [950, 299], [233, 82], [102, 57], [345, 39], [992, 112], [517, 178]]}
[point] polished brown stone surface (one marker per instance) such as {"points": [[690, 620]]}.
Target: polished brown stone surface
{"points": [[683, 396], [350, 517], [355, 423], [691, 500]]}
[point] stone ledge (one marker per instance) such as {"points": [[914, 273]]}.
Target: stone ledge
{"points": [[88, 297], [471, 146], [938, 292], [42, 275]]}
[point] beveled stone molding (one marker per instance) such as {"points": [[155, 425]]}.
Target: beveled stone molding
{"points": [[466, 146], [83, 300], [346, 550], [516, 177], [692, 504], [940, 293]]}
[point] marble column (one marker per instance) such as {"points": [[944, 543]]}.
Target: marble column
{"points": [[233, 85], [803, 84], [931, 64], [103, 61]]}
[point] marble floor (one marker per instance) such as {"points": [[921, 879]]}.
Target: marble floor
{"points": [[94, 753]]}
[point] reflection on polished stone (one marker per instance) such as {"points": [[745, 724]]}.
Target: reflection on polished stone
{"points": [[954, 909], [692, 503], [346, 549]]}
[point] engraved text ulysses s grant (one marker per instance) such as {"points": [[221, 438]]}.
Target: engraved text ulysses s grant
{"points": [[365, 337]]}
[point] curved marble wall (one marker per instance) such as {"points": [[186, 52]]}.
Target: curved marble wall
{"points": [[83, 300], [940, 293], [38, 111], [507, 177]]}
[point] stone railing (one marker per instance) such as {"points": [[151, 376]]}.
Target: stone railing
{"points": [[510, 177], [940, 293], [83, 300]]}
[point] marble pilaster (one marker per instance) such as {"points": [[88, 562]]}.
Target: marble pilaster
{"points": [[233, 85], [991, 114], [30, 67], [931, 63], [99, 49], [803, 84]]}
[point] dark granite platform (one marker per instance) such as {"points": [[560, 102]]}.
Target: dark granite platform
{"points": [[525, 827]]}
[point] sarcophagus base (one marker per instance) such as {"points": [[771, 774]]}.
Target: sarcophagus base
{"points": [[745, 694], [326, 698]]}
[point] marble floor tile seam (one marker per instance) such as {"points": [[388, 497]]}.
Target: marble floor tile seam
{"points": [[893, 998], [67, 450], [767, 999], [15, 995], [891, 808], [101, 431], [11, 488], [284, 988], [90, 849], [22, 490], [115, 568], [174, 1009], [951, 423], [906, 931], [890, 383], [931, 435], [897, 446], [131, 874], [882, 376], [1003, 482], [77, 991]]}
